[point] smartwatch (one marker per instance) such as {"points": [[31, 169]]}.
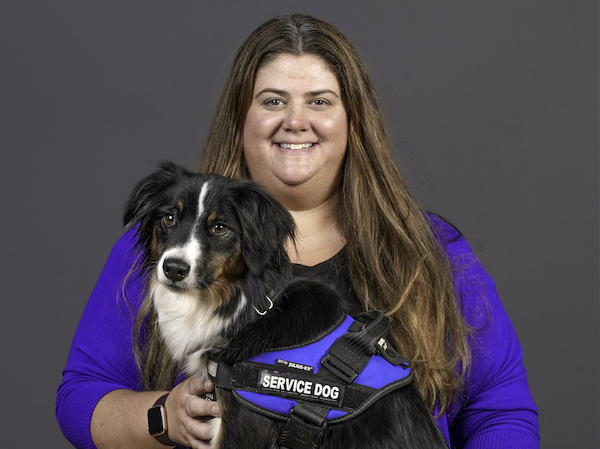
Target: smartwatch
{"points": [[157, 421]]}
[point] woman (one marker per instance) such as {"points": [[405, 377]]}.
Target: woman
{"points": [[299, 115]]}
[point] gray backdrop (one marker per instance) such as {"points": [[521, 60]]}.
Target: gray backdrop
{"points": [[493, 109]]}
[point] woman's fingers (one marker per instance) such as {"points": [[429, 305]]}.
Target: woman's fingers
{"points": [[199, 431], [198, 406], [186, 410]]}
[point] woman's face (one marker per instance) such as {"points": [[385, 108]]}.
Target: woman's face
{"points": [[296, 130]]}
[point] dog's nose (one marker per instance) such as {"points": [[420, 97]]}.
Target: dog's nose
{"points": [[176, 270]]}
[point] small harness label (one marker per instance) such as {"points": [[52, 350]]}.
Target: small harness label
{"points": [[299, 386], [298, 366]]}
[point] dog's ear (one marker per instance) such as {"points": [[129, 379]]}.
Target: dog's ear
{"points": [[147, 195], [266, 227]]}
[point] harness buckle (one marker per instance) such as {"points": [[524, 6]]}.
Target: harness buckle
{"points": [[391, 355], [301, 433], [339, 368]]}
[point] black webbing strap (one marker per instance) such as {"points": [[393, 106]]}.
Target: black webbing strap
{"points": [[244, 375], [304, 428], [350, 353]]}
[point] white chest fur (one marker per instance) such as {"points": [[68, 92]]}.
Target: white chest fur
{"points": [[189, 326]]}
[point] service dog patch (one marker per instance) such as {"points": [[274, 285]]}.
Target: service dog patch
{"points": [[294, 385]]}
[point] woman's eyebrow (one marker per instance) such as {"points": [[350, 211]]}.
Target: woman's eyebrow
{"points": [[283, 93], [316, 93], [269, 90]]}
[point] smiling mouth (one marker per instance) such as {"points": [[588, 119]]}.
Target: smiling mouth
{"points": [[295, 146]]}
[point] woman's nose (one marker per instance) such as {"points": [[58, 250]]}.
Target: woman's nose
{"points": [[296, 118]]}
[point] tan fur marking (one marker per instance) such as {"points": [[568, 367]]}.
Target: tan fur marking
{"points": [[227, 271], [154, 249]]}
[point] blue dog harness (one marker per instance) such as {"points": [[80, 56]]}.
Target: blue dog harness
{"points": [[326, 381]]}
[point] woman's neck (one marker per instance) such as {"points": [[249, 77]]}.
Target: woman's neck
{"points": [[318, 237]]}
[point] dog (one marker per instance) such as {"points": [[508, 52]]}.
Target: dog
{"points": [[219, 277]]}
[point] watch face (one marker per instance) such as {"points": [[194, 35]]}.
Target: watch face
{"points": [[156, 420]]}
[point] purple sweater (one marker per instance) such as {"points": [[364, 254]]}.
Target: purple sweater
{"points": [[495, 411]]}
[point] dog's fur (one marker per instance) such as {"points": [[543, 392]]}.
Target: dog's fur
{"points": [[215, 251]]}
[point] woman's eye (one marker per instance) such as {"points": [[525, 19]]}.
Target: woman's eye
{"points": [[220, 229], [274, 102], [170, 220], [320, 103]]}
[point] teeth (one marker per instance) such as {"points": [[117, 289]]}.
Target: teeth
{"points": [[295, 146]]}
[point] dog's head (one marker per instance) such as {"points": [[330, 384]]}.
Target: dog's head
{"points": [[200, 231]]}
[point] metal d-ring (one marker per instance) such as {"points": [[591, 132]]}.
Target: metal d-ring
{"points": [[265, 312]]}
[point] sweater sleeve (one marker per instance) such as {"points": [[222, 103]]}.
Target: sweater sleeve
{"points": [[496, 409], [101, 356]]}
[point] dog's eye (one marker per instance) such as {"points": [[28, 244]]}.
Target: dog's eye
{"points": [[220, 229], [170, 220]]}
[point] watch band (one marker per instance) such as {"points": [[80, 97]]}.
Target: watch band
{"points": [[161, 433]]}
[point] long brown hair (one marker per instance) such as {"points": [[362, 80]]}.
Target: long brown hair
{"points": [[395, 262]]}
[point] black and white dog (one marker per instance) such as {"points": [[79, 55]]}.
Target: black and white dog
{"points": [[220, 282]]}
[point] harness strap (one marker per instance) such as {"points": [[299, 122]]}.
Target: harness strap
{"points": [[350, 353], [304, 428], [246, 375]]}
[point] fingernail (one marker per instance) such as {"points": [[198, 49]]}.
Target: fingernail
{"points": [[215, 411], [208, 385]]}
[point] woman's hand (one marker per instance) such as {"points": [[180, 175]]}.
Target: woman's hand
{"points": [[185, 410]]}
